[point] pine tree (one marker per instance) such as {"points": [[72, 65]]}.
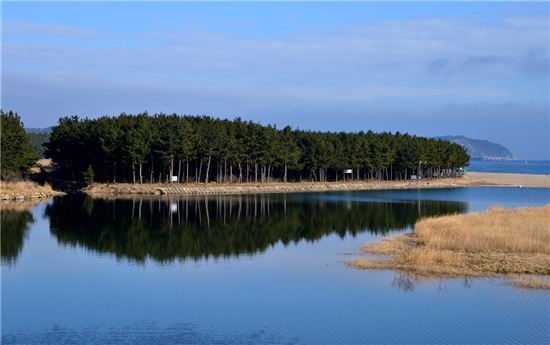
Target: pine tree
{"points": [[204, 149], [17, 155]]}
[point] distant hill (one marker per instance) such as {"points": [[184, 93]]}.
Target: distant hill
{"points": [[38, 130], [38, 137], [480, 149]]}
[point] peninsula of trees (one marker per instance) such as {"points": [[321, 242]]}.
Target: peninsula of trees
{"points": [[143, 148]]}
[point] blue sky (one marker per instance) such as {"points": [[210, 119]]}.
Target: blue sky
{"points": [[428, 68]]}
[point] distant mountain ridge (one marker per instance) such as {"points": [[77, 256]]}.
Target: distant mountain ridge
{"points": [[480, 149], [39, 130]]}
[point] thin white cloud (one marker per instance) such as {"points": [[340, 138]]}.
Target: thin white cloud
{"points": [[406, 48], [56, 30]]}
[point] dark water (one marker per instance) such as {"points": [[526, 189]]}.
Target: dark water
{"points": [[515, 167], [255, 269]]}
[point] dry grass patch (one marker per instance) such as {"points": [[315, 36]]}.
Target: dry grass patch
{"points": [[24, 187], [498, 241], [525, 230], [25, 190]]}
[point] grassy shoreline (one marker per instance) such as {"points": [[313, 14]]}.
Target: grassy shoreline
{"points": [[515, 243], [25, 191]]}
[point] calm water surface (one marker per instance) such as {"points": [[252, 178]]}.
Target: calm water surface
{"points": [[251, 269], [514, 167]]}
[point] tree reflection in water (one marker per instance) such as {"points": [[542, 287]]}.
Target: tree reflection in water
{"points": [[14, 225], [197, 227]]}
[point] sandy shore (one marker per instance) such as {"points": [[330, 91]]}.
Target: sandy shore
{"points": [[471, 179], [250, 188], [502, 179]]}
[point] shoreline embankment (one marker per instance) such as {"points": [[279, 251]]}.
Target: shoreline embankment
{"points": [[470, 179], [25, 190], [273, 187]]}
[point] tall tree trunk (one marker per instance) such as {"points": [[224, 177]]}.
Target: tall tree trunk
{"points": [[134, 172], [240, 173], [207, 170], [152, 179], [187, 170], [196, 172], [171, 170], [200, 171], [179, 170], [284, 178], [114, 171], [140, 173]]}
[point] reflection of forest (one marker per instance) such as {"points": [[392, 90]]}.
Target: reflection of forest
{"points": [[219, 226], [15, 227]]}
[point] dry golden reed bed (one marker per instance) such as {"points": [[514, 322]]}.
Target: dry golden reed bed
{"points": [[25, 190], [497, 241], [23, 186]]}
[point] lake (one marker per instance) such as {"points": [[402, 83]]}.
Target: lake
{"points": [[249, 269]]}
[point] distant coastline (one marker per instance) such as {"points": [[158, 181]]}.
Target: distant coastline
{"points": [[499, 152], [479, 148]]}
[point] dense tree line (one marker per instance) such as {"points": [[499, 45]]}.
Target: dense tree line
{"points": [[17, 156], [143, 148], [38, 141]]}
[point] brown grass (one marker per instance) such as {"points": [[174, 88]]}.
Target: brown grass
{"points": [[525, 230], [497, 241], [24, 187], [17, 192]]}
